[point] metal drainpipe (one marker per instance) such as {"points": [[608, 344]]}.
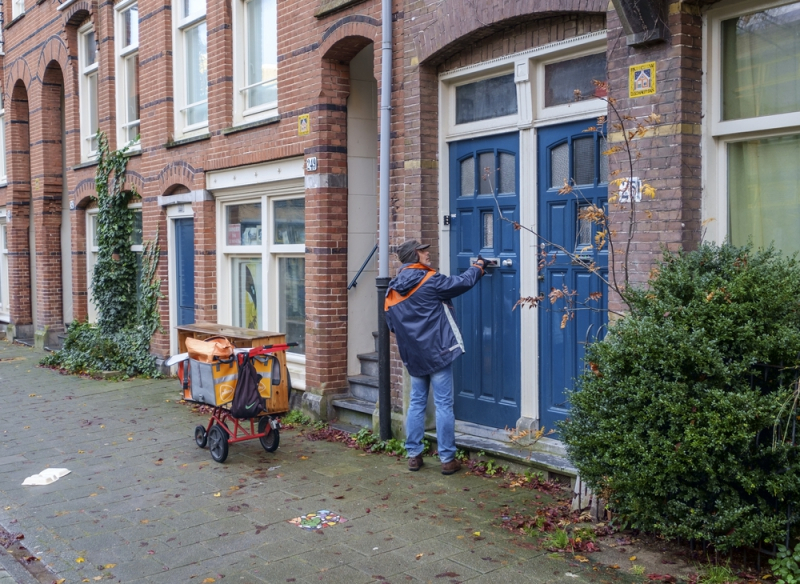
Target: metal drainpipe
{"points": [[382, 281]]}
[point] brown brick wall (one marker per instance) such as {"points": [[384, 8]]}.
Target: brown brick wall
{"points": [[670, 160]]}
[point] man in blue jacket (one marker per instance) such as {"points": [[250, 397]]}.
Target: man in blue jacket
{"points": [[419, 312]]}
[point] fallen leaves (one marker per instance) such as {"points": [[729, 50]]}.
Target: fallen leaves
{"points": [[79, 560]]}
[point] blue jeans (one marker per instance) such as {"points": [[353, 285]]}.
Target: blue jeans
{"points": [[442, 383]]}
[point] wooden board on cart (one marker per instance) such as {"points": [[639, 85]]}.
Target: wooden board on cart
{"points": [[242, 338]]}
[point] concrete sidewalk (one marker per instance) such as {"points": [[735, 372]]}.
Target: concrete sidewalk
{"points": [[144, 504]]}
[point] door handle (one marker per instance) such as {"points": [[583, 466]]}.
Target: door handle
{"points": [[507, 263]]}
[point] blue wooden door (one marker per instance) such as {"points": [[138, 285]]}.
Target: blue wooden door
{"points": [[484, 181], [569, 152], [184, 273]]}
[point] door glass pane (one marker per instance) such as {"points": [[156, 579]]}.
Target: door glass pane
{"points": [[290, 221], [559, 165], [488, 231], [561, 80], [243, 224], [468, 177], [246, 292], [136, 234], [764, 192], [262, 52], [760, 54], [583, 160], [508, 173], [486, 99], [196, 74], [584, 240], [603, 161], [488, 172], [93, 229], [292, 290]]}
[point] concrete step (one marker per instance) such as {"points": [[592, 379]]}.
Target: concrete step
{"points": [[554, 466], [354, 411], [369, 363], [26, 342], [364, 387]]}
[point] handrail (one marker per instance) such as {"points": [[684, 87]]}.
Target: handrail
{"points": [[354, 283]]}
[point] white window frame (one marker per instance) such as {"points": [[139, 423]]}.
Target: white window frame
{"points": [[182, 24], [87, 152], [718, 133], [3, 168], [123, 55], [241, 113], [92, 251], [17, 8], [263, 183], [5, 309]]}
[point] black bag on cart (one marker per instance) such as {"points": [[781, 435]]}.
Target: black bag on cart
{"points": [[247, 401]]}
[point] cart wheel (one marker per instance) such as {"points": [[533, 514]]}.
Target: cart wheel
{"points": [[270, 441], [218, 443], [200, 436]]}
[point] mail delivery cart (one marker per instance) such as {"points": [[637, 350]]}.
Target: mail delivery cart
{"points": [[208, 373]]}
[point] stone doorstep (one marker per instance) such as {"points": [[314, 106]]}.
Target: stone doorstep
{"points": [[556, 466], [553, 465]]}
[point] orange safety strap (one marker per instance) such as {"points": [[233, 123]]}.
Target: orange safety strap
{"points": [[394, 297]]}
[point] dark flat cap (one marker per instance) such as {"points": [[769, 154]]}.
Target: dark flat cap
{"points": [[407, 251]]}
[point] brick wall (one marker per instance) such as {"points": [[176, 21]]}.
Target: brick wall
{"points": [[670, 152]]}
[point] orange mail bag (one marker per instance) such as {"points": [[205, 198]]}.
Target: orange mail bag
{"points": [[205, 350]]}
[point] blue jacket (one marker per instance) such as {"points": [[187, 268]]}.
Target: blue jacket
{"points": [[419, 312]]}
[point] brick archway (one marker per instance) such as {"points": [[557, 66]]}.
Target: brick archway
{"points": [[182, 173], [19, 205], [449, 28]]}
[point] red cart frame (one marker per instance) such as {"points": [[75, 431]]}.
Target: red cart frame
{"points": [[217, 434]]}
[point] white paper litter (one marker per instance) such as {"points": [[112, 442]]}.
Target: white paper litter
{"points": [[47, 476]]}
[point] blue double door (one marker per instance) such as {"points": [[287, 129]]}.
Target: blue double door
{"points": [[484, 204]]}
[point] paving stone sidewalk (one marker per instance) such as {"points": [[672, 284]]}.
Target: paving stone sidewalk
{"points": [[144, 504]]}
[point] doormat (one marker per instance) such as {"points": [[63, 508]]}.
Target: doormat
{"points": [[318, 520]]}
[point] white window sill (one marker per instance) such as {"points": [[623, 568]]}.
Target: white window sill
{"points": [[191, 131]]}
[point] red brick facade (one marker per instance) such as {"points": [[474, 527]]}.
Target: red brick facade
{"points": [[430, 38]]}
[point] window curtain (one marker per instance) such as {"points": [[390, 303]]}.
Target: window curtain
{"points": [[764, 192], [760, 55]]}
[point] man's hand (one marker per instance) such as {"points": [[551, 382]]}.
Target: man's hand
{"points": [[480, 262]]}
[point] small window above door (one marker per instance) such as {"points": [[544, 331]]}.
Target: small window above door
{"points": [[486, 99]]}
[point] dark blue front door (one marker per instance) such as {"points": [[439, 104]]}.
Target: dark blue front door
{"points": [[184, 264], [484, 182], [568, 152]]}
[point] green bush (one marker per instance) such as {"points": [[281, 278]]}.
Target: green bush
{"points": [[667, 426], [126, 301], [786, 565], [87, 350]]}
